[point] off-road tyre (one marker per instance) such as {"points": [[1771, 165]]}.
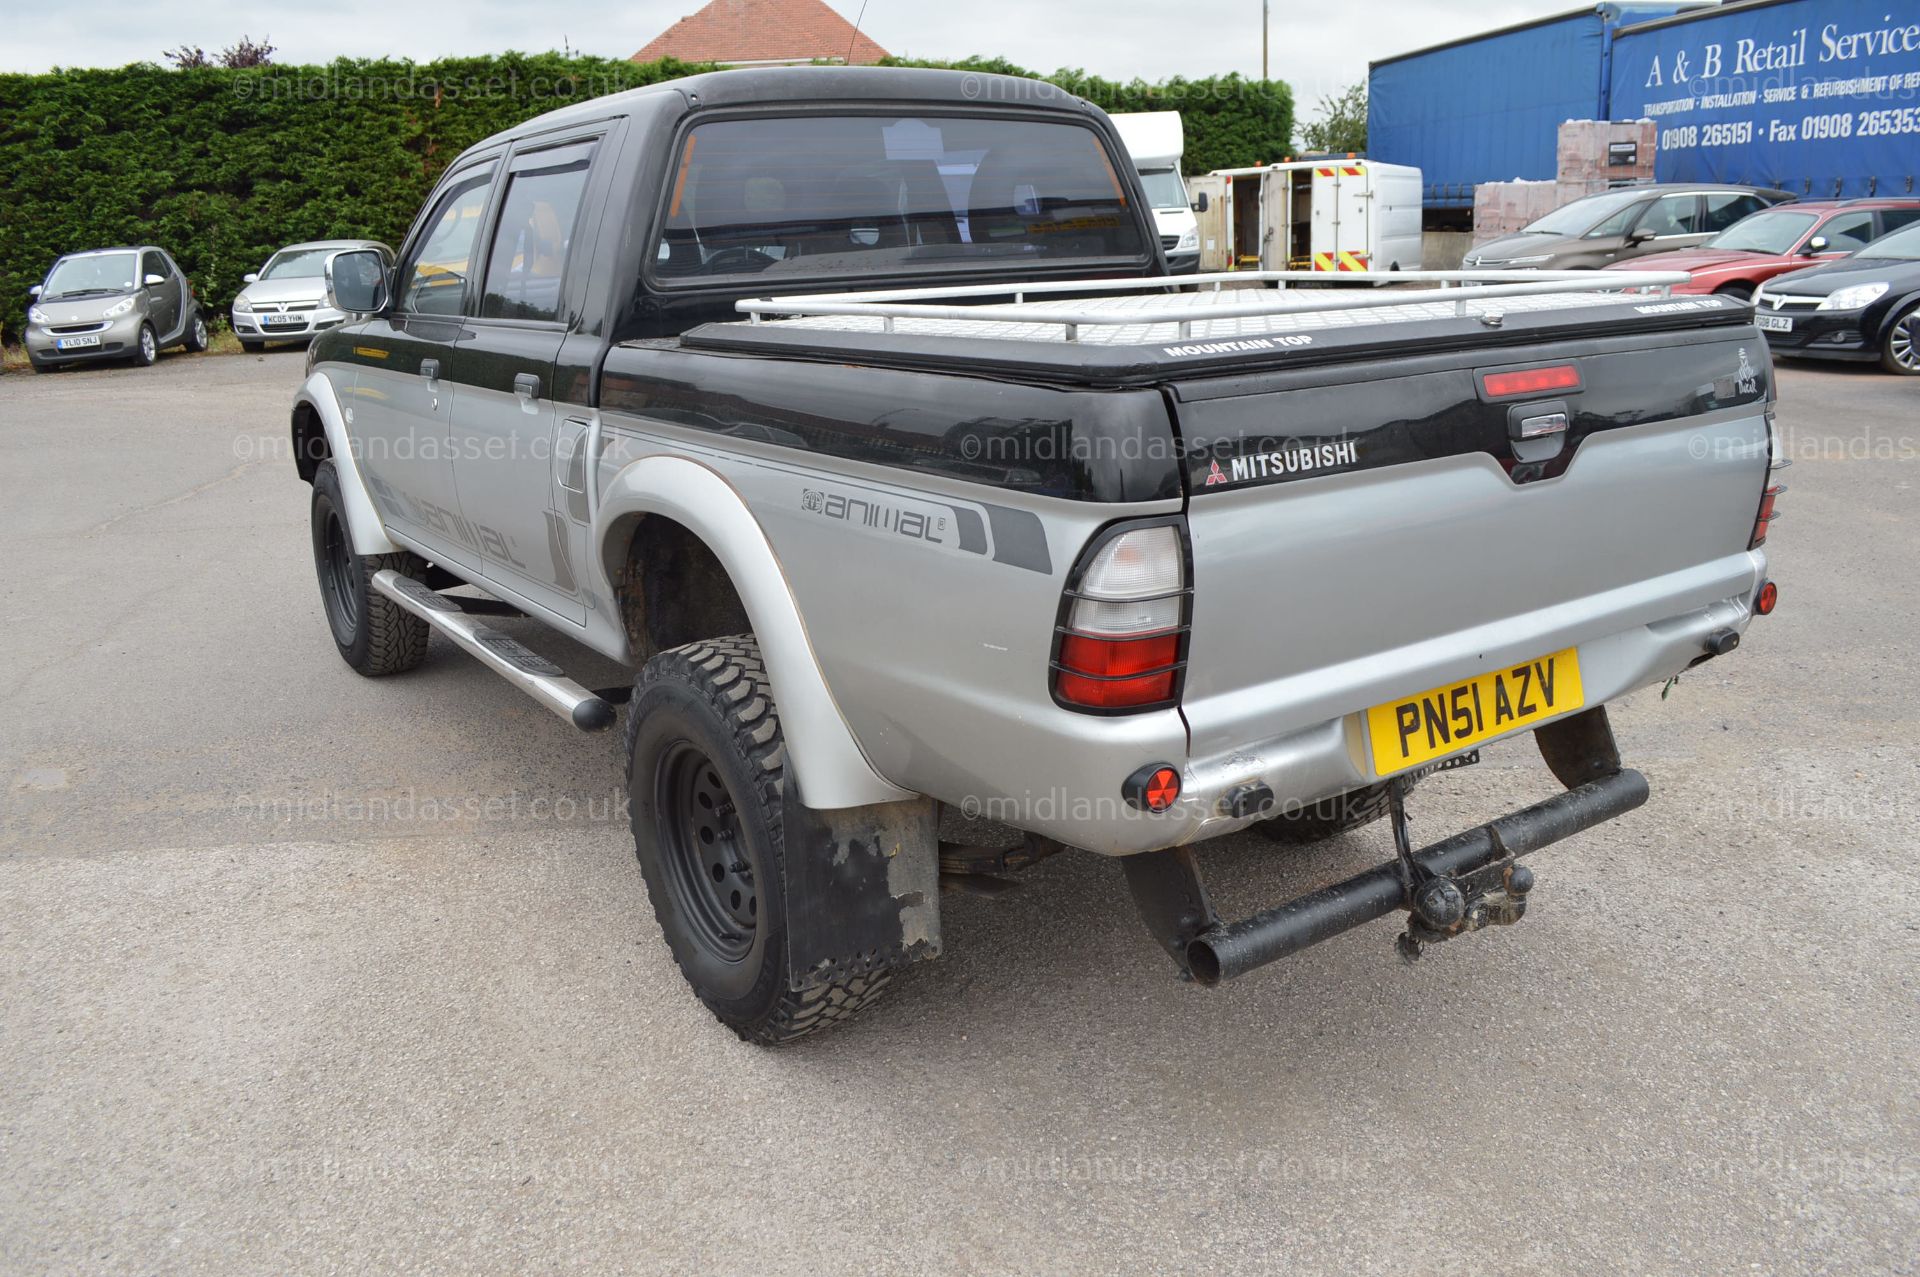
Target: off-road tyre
{"points": [[375, 635], [1330, 816], [708, 707], [1900, 348]]}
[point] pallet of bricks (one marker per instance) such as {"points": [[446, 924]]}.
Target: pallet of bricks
{"points": [[1592, 156]]}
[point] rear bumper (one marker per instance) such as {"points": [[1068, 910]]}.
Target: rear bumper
{"points": [[1331, 757]]}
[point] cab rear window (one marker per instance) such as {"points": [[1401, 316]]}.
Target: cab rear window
{"points": [[831, 195]]}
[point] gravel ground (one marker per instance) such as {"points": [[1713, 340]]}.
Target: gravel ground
{"points": [[301, 972]]}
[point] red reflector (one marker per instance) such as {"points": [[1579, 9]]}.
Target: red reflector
{"points": [[1531, 381], [1154, 787], [1116, 673], [1769, 595]]}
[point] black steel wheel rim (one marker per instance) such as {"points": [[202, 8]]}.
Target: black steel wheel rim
{"points": [[337, 577], [708, 869]]}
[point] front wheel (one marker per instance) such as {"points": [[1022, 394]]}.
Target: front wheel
{"points": [[706, 770], [375, 635], [1900, 352], [146, 348], [1739, 292]]}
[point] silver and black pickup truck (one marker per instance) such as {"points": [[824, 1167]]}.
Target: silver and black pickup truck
{"points": [[853, 411]]}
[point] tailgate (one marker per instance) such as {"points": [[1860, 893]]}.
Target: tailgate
{"points": [[1370, 532]]}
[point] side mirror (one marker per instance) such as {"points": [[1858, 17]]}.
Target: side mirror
{"points": [[1200, 204], [1639, 236], [1818, 244], [356, 281], [251, 277], [154, 281], [34, 291]]}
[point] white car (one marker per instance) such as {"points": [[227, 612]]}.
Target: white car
{"points": [[286, 300]]}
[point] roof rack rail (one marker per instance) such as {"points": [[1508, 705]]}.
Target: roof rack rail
{"points": [[1037, 302]]}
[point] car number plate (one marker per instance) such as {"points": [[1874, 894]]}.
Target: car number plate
{"points": [[283, 321], [1412, 730], [75, 343], [1773, 323]]}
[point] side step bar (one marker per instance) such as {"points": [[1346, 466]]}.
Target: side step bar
{"points": [[512, 660]]}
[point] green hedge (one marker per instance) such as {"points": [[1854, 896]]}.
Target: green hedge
{"points": [[1230, 122], [223, 166]]}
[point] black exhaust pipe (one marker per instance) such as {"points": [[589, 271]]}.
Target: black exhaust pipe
{"points": [[1235, 948]]}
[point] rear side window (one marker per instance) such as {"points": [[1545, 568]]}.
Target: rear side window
{"points": [[832, 195], [1893, 219], [535, 233], [1725, 208], [434, 281], [1673, 215]]}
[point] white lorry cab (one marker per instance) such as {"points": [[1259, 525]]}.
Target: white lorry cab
{"points": [[1336, 215], [1156, 141]]}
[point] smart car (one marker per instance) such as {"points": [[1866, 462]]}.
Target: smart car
{"points": [[112, 303]]}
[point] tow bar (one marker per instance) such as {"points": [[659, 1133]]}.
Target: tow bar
{"points": [[1460, 884]]}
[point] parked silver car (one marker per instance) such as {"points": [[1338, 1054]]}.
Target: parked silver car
{"points": [[286, 299], [112, 303]]}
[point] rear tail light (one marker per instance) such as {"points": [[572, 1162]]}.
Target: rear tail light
{"points": [[1530, 381], [1771, 493], [1122, 638]]}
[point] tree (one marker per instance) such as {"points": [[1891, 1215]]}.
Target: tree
{"points": [[238, 56], [1342, 123]]}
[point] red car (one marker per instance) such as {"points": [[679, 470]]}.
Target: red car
{"points": [[1780, 239]]}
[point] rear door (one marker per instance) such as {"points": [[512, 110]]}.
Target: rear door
{"points": [[505, 426], [1214, 243], [401, 412]]}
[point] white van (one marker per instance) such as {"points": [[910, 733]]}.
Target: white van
{"points": [[1156, 140], [1334, 215]]}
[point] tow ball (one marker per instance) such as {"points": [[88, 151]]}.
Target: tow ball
{"points": [[1441, 906]]}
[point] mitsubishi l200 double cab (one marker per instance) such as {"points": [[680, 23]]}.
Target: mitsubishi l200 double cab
{"points": [[852, 409]]}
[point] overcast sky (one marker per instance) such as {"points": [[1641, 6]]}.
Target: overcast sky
{"points": [[1316, 45]]}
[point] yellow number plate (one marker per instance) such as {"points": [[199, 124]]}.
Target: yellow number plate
{"points": [[1418, 729]]}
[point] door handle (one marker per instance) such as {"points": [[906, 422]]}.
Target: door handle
{"points": [[527, 386], [430, 369]]}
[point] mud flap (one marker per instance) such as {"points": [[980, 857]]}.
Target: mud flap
{"points": [[863, 888]]}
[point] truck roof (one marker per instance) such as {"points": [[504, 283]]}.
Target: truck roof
{"points": [[755, 85]]}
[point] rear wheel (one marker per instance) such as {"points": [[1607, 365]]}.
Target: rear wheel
{"points": [[197, 333], [706, 768], [375, 635], [1329, 816], [1900, 352]]}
